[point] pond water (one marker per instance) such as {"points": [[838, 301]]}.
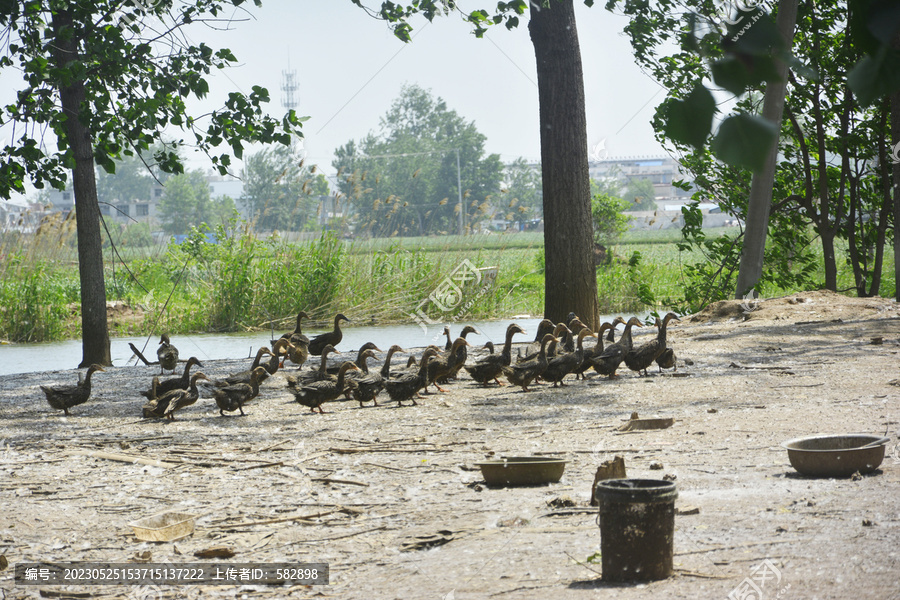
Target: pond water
{"points": [[53, 356]]}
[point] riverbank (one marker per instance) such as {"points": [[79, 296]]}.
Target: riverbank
{"points": [[392, 500]]}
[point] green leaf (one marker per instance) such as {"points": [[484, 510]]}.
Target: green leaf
{"points": [[689, 121], [744, 141], [875, 76], [731, 74]]}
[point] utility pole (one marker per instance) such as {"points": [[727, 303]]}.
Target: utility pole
{"points": [[462, 207]]}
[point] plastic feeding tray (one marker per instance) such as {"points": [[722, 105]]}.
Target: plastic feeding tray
{"points": [[836, 455], [522, 470], [164, 527]]}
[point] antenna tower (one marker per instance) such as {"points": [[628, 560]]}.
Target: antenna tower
{"points": [[289, 88]]}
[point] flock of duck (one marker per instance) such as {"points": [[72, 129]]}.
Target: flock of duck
{"points": [[556, 352]]}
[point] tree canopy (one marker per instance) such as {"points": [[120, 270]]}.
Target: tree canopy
{"points": [[108, 79], [407, 177], [280, 192]]}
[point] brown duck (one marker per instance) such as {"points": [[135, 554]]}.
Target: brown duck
{"points": [[331, 338], [386, 367], [490, 366], [167, 354], [666, 360], [531, 350], [523, 373], [64, 397], [317, 393], [442, 366], [298, 351], [233, 397], [311, 375], [175, 383], [564, 364], [597, 349], [360, 359], [244, 376], [462, 355], [368, 384], [174, 400], [407, 386], [297, 333], [638, 359], [612, 357]]}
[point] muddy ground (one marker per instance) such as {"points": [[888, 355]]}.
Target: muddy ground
{"points": [[392, 500]]}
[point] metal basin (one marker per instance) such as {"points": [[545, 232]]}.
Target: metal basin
{"points": [[522, 470], [836, 455]]}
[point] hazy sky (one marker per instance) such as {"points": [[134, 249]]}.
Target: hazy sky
{"points": [[350, 67]]}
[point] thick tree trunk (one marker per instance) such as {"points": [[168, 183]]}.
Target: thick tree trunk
{"points": [[570, 276], [895, 140], [94, 330], [762, 183]]}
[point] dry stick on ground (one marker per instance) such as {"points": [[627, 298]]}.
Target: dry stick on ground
{"points": [[337, 537], [262, 466], [126, 458], [346, 481], [283, 519]]}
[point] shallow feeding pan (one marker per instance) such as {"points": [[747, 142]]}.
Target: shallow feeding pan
{"points": [[836, 455], [522, 470], [164, 527]]}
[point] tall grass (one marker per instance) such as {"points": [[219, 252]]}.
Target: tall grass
{"points": [[243, 281]]}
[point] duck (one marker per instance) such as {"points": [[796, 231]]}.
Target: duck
{"points": [[297, 333], [167, 354], [575, 325], [233, 397], [564, 364], [360, 359], [311, 375], [174, 400], [367, 384], [523, 373], [666, 360], [608, 362], [531, 350], [298, 350], [386, 367], [594, 352], [175, 383], [638, 359], [443, 365], [332, 338], [462, 355], [361, 362], [490, 366], [407, 385], [64, 397], [244, 376], [317, 393]]}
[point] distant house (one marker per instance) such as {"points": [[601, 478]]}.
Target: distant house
{"points": [[661, 171], [18, 214], [144, 210]]}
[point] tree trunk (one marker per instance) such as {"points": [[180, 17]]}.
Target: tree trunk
{"points": [[94, 330], [763, 181], [570, 278], [895, 139]]}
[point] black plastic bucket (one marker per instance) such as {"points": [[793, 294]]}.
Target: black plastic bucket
{"points": [[637, 528]]}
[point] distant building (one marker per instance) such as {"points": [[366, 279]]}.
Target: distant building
{"points": [[18, 214], [661, 171], [144, 210]]}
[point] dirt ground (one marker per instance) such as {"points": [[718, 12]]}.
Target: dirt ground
{"points": [[392, 500]]}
